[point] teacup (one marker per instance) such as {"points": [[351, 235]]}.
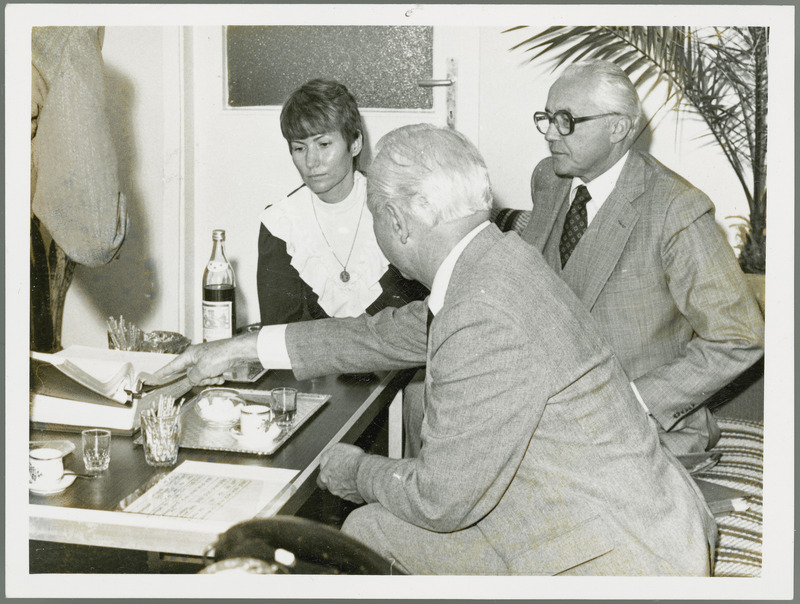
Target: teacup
{"points": [[46, 466], [254, 421]]}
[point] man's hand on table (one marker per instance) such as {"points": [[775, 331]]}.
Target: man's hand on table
{"points": [[205, 363], [338, 470]]}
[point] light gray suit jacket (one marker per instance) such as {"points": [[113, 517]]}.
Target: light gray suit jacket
{"points": [[663, 285], [531, 438]]}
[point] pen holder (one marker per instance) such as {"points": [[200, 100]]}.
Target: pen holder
{"points": [[160, 438]]}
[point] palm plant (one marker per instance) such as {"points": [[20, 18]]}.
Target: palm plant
{"points": [[718, 74]]}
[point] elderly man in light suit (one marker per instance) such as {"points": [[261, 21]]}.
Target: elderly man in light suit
{"points": [[640, 248], [536, 457]]}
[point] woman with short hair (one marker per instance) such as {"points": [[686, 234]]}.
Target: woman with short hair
{"points": [[317, 253]]}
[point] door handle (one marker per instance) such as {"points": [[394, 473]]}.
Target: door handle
{"points": [[450, 83], [432, 83]]}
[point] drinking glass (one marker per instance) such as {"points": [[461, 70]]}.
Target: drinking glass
{"points": [[160, 438], [284, 406], [96, 450]]}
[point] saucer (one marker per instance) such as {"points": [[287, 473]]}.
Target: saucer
{"points": [[267, 438], [53, 488]]}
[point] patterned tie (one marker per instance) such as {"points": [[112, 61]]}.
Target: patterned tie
{"points": [[575, 224]]}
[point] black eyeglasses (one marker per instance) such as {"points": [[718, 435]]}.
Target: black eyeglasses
{"points": [[565, 123]]}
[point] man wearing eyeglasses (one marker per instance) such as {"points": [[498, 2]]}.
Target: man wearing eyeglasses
{"points": [[640, 248]]}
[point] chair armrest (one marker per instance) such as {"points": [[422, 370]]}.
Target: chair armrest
{"points": [[509, 219]]}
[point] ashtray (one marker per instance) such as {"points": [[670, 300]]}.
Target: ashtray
{"points": [[219, 407], [169, 342]]}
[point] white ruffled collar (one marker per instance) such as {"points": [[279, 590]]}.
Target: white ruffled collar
{"points": [[292, 220]]}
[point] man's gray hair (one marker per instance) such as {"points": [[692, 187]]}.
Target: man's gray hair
{"points": [[614, 92], [434, 174]]}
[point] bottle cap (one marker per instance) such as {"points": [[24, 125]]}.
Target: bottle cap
{"points": [[218, 235]]}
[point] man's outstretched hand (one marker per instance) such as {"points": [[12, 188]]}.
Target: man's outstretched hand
{"points": [[205, 363]]}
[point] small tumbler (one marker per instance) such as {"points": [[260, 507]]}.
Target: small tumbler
{"points": [[284, 407], [160, 438], [96, 450]]}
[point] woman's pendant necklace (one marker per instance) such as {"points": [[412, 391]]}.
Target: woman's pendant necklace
{"points": [[344, 275]]}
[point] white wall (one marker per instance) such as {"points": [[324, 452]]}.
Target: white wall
{"points": [[189, 164], [241, 164]]}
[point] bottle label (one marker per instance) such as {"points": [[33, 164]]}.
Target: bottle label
{"points": [[217, 320], [215, 267]]}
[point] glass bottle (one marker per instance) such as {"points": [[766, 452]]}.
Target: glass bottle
{"points": [[219, 293]]}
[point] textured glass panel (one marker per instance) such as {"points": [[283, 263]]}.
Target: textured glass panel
{"points": [[379, 65]]}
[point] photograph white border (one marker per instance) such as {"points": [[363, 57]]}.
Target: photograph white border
{"points": [[776, 581]]}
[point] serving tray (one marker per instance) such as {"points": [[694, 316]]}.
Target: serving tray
{"points": [[199, 434]]}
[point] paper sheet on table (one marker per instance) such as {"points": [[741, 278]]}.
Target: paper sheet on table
{"points": [[212, 491]]}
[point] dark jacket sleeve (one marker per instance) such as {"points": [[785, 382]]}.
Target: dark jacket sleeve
{"points": [[397, 291], [283, 297]]}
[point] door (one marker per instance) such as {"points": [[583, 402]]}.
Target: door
{"points": [[453, 82]]}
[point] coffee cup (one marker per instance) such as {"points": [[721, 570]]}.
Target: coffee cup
{"points": [[254, 421], [46, 466]]}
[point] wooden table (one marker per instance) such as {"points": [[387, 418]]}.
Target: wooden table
{"points": [[88, 512]]}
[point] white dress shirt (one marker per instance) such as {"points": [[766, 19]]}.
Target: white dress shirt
{"points": [[599, 188], [272, 351], [442, 278]]}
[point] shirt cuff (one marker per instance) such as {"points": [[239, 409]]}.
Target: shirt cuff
{"points": [[271, 347], [638, 398]]}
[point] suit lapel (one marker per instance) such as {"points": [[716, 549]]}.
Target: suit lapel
{"points": [[608, 234], [545, 211]]}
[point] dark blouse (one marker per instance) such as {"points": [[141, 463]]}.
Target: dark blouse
{"points": [[283, 297]]}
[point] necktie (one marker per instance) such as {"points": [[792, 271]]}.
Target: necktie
{"points": [[430, 319], [575, 224]]}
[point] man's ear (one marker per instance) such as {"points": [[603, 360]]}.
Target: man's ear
{"points": [[621, 128], [355, 148], [399, 223]]}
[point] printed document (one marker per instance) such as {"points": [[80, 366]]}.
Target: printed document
{"points": [[212, 491]]}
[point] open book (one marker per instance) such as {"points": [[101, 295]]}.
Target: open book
{"points": [[113, 374], [94, 387]]}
